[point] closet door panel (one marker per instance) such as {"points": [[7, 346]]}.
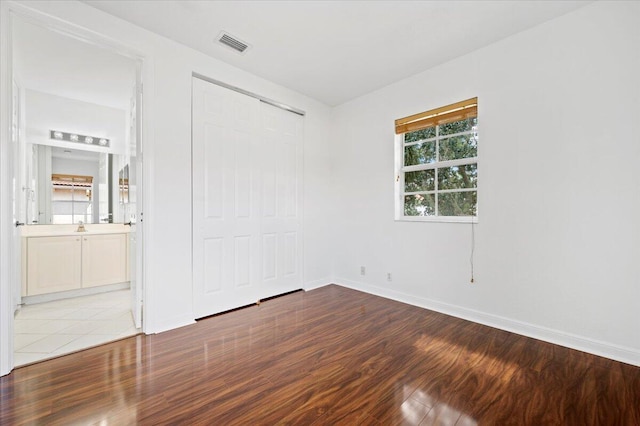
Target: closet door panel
{"points": [[247, 183]]}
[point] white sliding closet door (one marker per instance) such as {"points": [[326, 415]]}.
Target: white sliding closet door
{"points": [[281, 201], [247, 182]]}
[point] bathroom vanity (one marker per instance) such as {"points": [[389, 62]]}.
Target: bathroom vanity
{"points": [[58, 258]]}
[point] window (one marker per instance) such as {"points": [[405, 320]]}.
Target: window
{"points": [[437, 164], [71, 198]]}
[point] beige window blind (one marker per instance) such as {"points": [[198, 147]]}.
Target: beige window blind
{"points": [[442, 115], [72, 180]]}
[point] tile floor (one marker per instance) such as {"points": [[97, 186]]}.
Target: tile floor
{"points": [[46, 330]]}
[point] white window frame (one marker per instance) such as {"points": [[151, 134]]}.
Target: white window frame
{"points": [[401, 169]]}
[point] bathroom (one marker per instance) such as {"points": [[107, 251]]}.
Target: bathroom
{"points": [[77, 188]]}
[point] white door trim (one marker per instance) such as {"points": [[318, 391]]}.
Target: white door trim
{"points": [[251, 94], [6, 231], [8, 11]]}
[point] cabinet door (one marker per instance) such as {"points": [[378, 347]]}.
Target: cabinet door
{"points": [[104, 259], [53, 264]]}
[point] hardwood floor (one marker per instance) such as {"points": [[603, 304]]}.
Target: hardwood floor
{"points": [[331, 356]]}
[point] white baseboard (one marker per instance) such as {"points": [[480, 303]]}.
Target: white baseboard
{"points": [[310, 285], [569, 340], [170, 324], [50, 297], [184, 320]]}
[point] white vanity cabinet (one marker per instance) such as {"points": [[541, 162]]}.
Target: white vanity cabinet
{"points": [[104, 259], [71, 262], [53, 264]]}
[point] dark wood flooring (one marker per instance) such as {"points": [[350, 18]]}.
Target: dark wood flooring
{"points": [[330, 356]]}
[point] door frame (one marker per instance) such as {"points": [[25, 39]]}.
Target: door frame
{"points": [[9, 270]]}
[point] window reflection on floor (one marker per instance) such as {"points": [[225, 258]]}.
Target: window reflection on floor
{"points": [[420, 408]]}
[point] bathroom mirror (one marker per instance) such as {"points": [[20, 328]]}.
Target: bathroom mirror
{"points": [[73, 186]]}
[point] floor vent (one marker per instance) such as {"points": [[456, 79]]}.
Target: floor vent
{"points": [[232, 42]]}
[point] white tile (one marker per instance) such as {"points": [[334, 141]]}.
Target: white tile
{"points": [[56, 304], [95, 304], [22, 340], [49, 343], [25, 326], [114, 327], [76, 302], [43, 313], [108, 300], [20, 358], [84, 313], [82, 327], [84, 322], [110, 314], [42, 326], [127, 316], [132, 331]]}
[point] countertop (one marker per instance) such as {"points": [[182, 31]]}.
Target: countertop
{"points": [[71, 230]]}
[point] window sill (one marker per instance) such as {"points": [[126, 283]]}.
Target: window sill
{"points": [[438, 219]]}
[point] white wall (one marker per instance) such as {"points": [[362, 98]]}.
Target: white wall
{"points": [[44, 112], [558, 238], [167, 158]]}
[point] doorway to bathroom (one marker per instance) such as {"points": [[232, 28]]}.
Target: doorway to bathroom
{"points": [[77, 166]]}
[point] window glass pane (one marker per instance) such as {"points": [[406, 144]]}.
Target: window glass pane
{"points": [[418, 135], [421, 153], [419, 205], [463, 146], [424, 180], [457, 177], [458, 126], [457, 203], [448, 190]]}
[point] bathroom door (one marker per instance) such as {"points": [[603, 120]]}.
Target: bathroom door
{"points": [[246, 199], [134, 206]]}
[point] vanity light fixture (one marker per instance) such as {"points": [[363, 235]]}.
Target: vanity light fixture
{"points": [[74, 137]]}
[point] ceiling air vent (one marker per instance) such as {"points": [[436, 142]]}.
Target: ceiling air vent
{"points": [[232, 42]]}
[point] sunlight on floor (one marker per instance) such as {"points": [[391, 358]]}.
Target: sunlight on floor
{"points": [[483, 361]]}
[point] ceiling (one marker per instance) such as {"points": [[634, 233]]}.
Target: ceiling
{"points": [[335, 51]]}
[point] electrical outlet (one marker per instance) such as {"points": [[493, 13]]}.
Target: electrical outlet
{"points": [[362, 270], [388, 276]]}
